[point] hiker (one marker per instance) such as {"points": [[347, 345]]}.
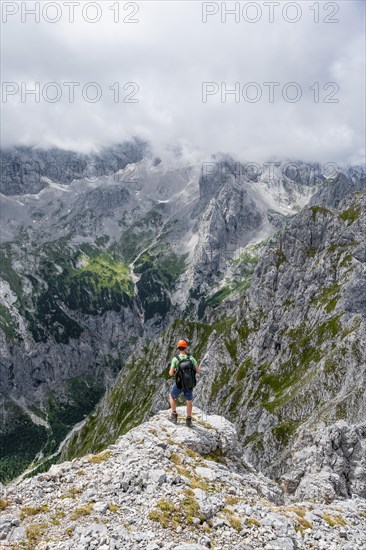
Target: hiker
{"points": [[184, 367]]}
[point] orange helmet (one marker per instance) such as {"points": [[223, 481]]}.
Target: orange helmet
{"points": [[182, 344]]}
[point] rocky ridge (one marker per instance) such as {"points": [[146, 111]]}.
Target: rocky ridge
{"points": [[28, 169], [165, 486]]}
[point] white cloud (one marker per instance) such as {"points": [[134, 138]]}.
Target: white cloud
{"points": [[169, 53]]}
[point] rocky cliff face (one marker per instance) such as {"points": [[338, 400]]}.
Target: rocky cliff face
{"points": [[55, 299], [27, 169], [175, 488]]}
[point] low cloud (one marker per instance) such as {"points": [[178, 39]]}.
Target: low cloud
{"points": [[168, 55]]}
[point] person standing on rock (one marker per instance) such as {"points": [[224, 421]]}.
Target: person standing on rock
{"points": [[184, 367]]}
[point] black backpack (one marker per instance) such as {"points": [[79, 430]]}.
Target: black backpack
{"points": [[185, 377]]}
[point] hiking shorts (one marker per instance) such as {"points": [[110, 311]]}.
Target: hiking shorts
{"points": [[175, 393]]}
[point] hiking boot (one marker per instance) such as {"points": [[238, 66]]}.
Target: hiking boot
{"points": [[189, 421], [173, 417]]}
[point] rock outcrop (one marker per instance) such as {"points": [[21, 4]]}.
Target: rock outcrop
{"points": [[169, 487]]}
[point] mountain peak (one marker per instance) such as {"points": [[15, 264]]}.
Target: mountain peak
{"points": [[166, 486]]}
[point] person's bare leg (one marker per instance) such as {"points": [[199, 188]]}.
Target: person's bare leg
{"points": [[189, 408], [173, 404]]}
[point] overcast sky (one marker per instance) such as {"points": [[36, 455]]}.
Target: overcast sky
{"points": [[169, 53]]}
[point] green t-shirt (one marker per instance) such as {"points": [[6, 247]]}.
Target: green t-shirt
{"points": [[183, 356]]}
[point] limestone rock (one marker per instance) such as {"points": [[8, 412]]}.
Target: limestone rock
{"points": [[114, 500]]}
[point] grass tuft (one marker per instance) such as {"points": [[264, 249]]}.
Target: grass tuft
{"points": [[253, 521], [113, 508], [72, 493], [4, 504], [351, 214], [82, 511], [97, 459], [235, 522], [30, 511], [334, 520], [34, 532], [170, 515]]}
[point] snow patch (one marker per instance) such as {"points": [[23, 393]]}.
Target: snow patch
{"points": [[54, 185]]}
